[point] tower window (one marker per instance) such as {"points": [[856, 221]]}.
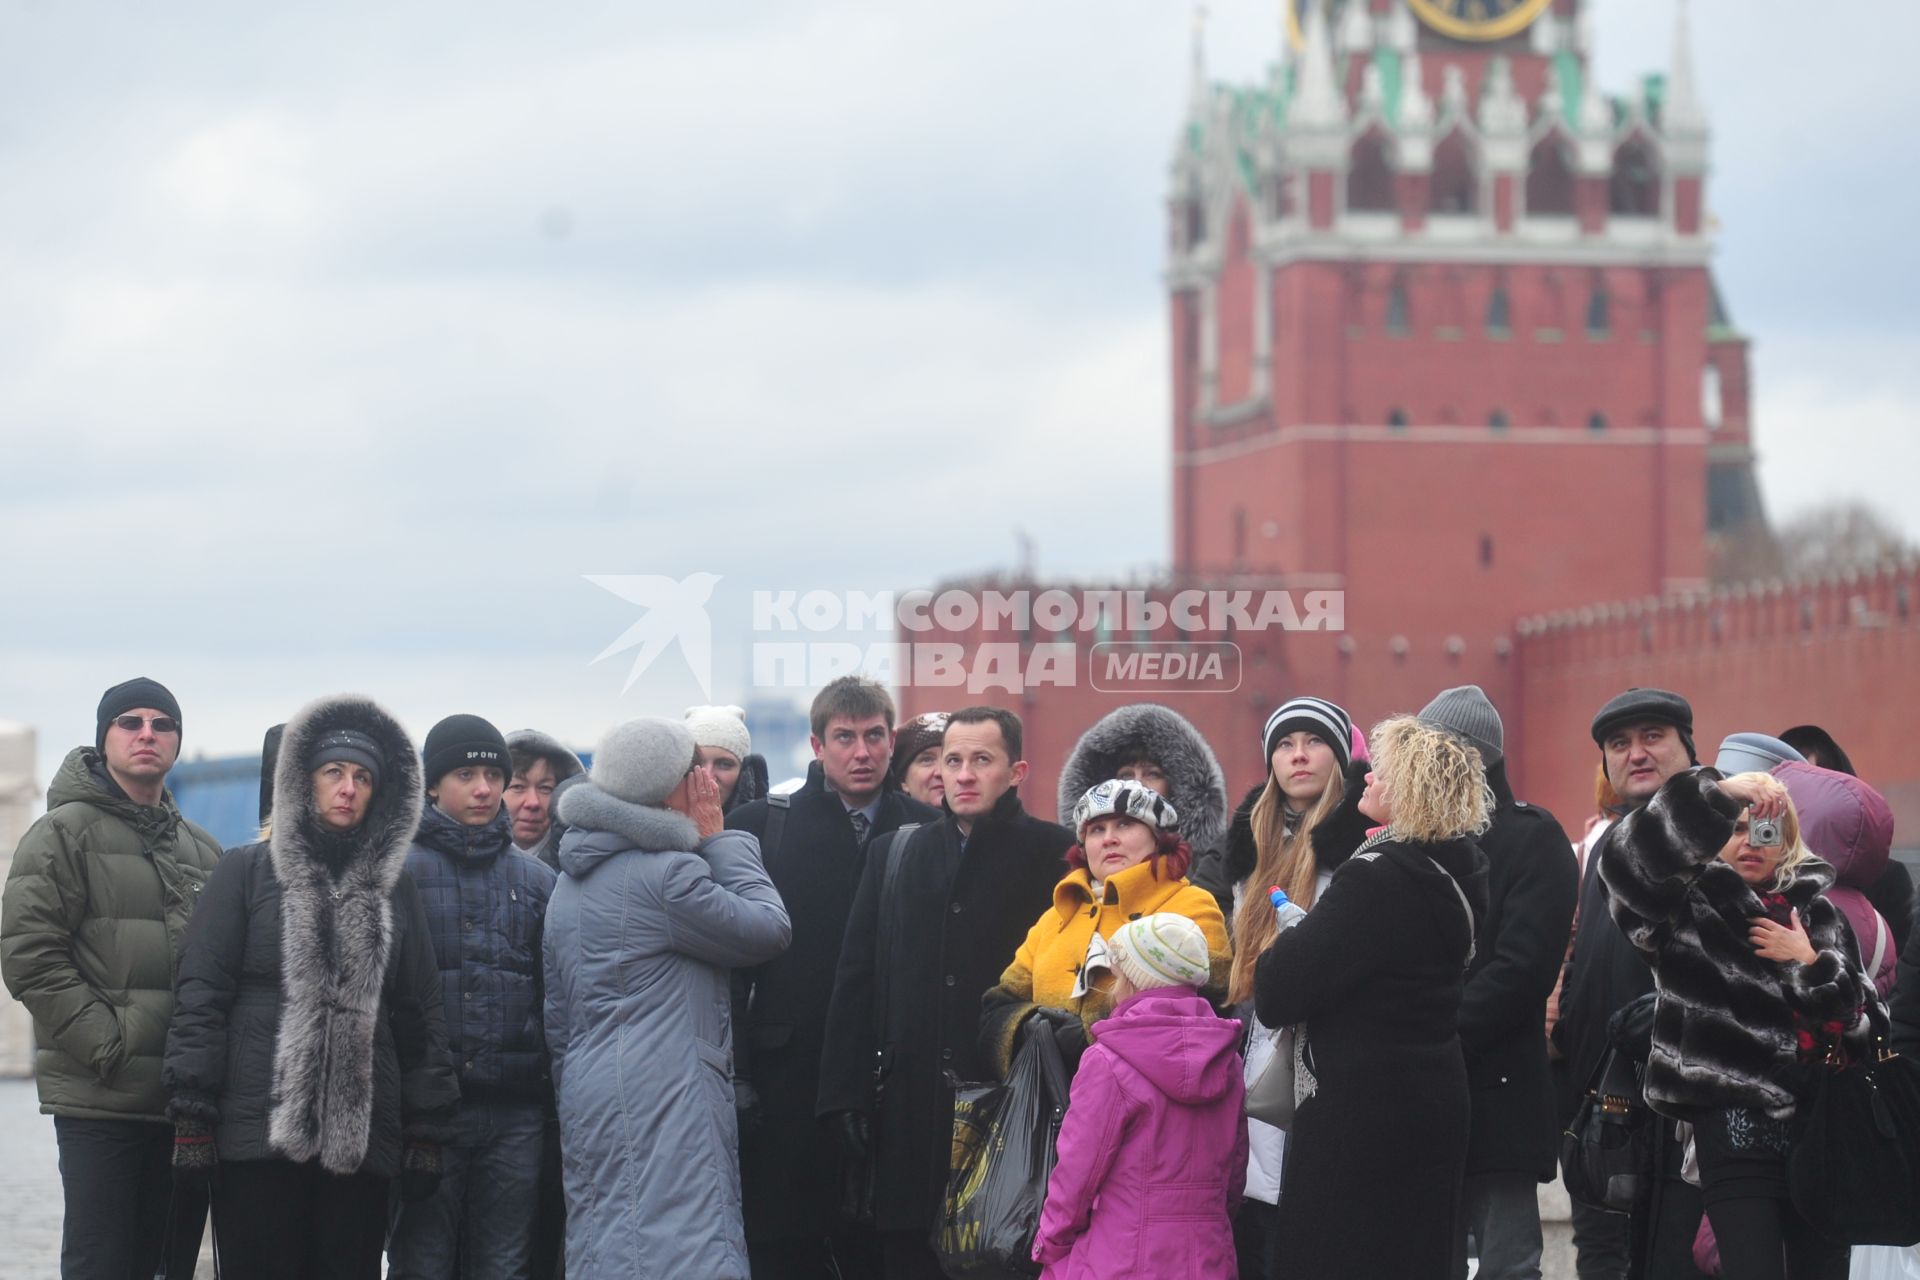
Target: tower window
{"points": [[1486, 551], [1499, 314], [1597, 423], [1455, 186], [1369, 178], [1398, 322], [1633, 189], [1397, 420], [1550, 178], [1239, 535], [1599, 312], [1196, 222], [1497, 422], [1710, 405]]}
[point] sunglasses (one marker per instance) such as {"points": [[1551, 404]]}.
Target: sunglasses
{"points": [[161, 724]]}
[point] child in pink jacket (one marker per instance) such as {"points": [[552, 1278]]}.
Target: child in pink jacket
{"points": [[1153, 1149]]}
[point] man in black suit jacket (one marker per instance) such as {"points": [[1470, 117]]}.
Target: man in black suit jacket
{"points": [[814, 843]]}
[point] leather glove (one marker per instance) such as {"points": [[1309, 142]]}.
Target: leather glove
{"points": [[420, 1169], [1068, 1032], [853, 1131], [195, 1156]]}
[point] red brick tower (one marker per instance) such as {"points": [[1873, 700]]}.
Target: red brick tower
{"points": [[1441, 316], [1444, 337]]}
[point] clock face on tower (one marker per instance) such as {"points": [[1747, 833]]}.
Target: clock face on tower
{"points": [[1478, 19]]}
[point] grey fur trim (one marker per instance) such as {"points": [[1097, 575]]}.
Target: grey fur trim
{"points": [[533, 742], [588, 808], [336, 937], [1170, 741]]}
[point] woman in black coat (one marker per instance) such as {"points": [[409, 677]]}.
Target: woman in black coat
{"points": [[307, 1058], [1758, 981], [1372, 981]]}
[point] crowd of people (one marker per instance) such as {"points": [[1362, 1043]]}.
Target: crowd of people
{"points": [[476, 1010]]}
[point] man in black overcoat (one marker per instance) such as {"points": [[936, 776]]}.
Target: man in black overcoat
{"points": [[1532, 881], [906, 999]]}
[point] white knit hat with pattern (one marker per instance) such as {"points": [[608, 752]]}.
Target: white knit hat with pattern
{"points": [[1160, 950], [722, 727]]}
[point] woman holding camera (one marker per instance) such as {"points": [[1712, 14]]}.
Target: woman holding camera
{"points": [[1758, 984]]}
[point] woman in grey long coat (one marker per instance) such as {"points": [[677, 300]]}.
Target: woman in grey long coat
{"points": [[655, 905]]}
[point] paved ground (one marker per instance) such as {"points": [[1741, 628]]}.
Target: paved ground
{"points": [[29, 1186], [30, 1195]]}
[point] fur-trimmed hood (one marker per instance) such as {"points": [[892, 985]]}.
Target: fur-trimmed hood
{"points": [[600, 825], [336, 935], [1167, 738], [379, 846]]}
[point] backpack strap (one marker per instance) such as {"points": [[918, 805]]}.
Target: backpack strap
{"points": [[777, 807], [1879, 946], [895, 854]]}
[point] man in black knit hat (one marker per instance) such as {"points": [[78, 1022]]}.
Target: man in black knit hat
{"points": [[96, 906], [487, 903]]}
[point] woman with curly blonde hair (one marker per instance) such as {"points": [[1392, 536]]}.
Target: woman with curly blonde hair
{"points": [[1371, 979]]}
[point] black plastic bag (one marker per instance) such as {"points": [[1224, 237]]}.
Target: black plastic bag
{"points": [[1003, 1153], [1852, 1170]]}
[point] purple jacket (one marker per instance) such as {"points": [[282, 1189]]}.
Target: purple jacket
{"points": [[1153, 1149]]}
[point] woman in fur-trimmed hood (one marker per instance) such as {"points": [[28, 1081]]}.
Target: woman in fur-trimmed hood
{"points": [[1160, 749], [307, 1050], [1757, 981]]}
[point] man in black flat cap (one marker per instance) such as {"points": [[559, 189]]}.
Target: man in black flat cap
{"points": [[1645, 736], [95, 909]]}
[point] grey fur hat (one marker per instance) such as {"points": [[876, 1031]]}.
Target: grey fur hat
{"points": [[1152, 732], [643, 760]]}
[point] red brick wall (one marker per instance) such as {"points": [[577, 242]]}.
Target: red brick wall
{"points": [[1747, 661]]}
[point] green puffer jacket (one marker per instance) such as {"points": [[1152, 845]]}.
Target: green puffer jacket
{"points": [[90, 931]]}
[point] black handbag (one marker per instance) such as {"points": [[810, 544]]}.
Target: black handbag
{"points": [[1606, 1154], [1854, 1170]]}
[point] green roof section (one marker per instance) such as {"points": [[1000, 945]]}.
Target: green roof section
{"points": [[1566, 67], [1388, 60]]}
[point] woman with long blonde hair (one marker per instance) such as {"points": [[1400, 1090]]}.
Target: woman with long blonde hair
{"points": [[1308, 743]]}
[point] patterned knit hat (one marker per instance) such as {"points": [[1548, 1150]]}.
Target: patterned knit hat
{"points": [[912, 737], [1160, 950], [1129, 800], [1327, 720], [724, 728]]}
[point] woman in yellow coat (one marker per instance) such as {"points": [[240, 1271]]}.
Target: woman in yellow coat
{"points": [[1130, 862]]}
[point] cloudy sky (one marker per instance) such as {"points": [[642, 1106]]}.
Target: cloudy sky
{"points": [[341, 342]]}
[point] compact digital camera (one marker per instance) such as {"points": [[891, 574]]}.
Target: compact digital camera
{"points": [[1764, 833]]}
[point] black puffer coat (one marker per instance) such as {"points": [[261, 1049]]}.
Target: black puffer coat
{"points": [[1727, 1022]]}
